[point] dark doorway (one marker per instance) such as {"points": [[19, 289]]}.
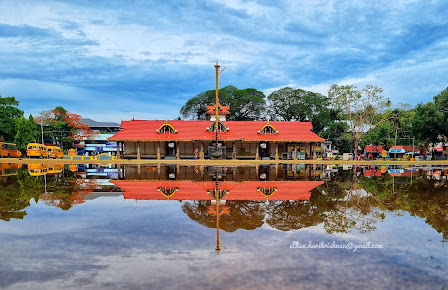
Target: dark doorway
{"points": [[264, 150], [170, 150]]}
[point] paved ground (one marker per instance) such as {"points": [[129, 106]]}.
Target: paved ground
{"points": [[218, 162]]}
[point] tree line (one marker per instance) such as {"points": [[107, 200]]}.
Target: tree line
{"points": [[56, 126], [349, 117]]}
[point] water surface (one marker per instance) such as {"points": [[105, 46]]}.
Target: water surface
{"points": [[156, 227]]}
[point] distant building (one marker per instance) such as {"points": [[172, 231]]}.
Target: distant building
{"points": [[374, 150], [399, 150], [99, 144]]}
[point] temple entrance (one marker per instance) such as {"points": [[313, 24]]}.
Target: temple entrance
{"points": [[170, 150], [171, 172], [216, 153], [264, 151]]}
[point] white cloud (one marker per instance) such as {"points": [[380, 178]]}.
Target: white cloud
{"points": [[308, 44]]}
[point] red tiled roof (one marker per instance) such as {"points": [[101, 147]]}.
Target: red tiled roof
{"points": [[407, 148], [191, 190], [372, 172], [222, 110], [373, 149], [405, 173], [142, 130]]}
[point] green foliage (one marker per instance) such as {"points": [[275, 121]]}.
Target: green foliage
{"points": [[9, 113], [441, 102], [63, 127], [382, 134], [362, 109], [431, 119], [287, 215], [16, 193], [288, 104], [400, 124], [246, 215], [427, 122], [247, 104], [27, 132]]}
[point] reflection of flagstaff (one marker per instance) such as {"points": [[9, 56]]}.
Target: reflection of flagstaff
{"points": [[218, 193], [217, 212]]}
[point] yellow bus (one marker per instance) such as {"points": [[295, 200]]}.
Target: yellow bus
{"points": [[9, 169], [8, 150], [36, 150], [55, 168], [37, 169], [54, 152]]}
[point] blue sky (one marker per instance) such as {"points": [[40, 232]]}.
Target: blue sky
{"points": [[114, 60]]}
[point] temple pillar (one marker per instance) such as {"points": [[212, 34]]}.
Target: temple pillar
{"points": [[257, 152], [117, 156], [233, 150], [158, 150], [138, 150], [139, 171], [276, 150], [201, 153], [119, 170], [177, 150]]}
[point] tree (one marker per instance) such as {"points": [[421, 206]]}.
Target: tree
{"points": [[400, 125], [289, 104], [286, 104], [427, 123], [364, 110], [16, 192], [64, 126], [247, 104], [441, 102], [27, 132], [431, 119], [9, 113], [382, 134], [246, 215], [286, 215]]}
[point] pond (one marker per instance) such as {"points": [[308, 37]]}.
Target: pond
{"points": [[266, 226]]}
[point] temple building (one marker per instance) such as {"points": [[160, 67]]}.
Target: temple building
{"points": [[218, 138], [182, 139]]}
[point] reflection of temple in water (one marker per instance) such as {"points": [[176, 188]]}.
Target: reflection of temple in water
{"points": [[282, 172], [211, 193], [203, 190]]}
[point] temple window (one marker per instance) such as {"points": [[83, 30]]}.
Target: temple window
{"points": [[267, 191], [168, 191], [166, 129], [220, 193], [221, 127], [267, 129]]}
